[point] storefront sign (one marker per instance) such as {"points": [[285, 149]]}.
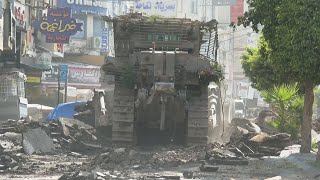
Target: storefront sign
{"points": [[224, 2], [58, 25], [97, 7], [104, 40], [58, 49], [32, 79], [80, 34], [76, 74], [163, 8], [21, 15]]}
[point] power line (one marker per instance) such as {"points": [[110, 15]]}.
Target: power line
{"points": [[233, 38]]}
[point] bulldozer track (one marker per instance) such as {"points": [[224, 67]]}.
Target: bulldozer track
{"points": [[123, 116], [197, 126]]}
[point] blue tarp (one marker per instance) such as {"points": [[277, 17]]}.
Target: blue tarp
{"points": [[64, 110]]}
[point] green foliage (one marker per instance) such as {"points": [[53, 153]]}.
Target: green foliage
{"points": [[214, 74], [259, 69], [292, 32], [153, 18], [314, 146], [291, 29], [218, 72], [288, 105]]}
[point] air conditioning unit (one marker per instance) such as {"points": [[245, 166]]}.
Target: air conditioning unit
{"points": [[94, 42]]}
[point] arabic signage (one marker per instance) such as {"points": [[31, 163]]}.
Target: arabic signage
{"points": [[236, 11], [58, 25], [32, 79], [224, 2], [33, 76], [21, 15], [164, 8], [104, 40], [77, 74], [97, 7]]}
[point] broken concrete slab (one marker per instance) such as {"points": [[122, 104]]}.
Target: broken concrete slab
{"points": [[6, 144], [237, 133], [252, 127], [188, 174], [12, 136], [120, 150], [79, 146], [164, 177], [229, 162], [37, 141], [208, 168], [239, 122], [74, 123], [274, 178]]}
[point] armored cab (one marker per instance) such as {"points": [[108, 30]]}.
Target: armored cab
{"points": [[160, 80]]}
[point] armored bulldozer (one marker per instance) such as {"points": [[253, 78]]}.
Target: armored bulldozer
{"points": [[160, 80]]}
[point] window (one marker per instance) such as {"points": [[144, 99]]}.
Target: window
{"points": [[194, 6], [150, 37], [98, 24]]}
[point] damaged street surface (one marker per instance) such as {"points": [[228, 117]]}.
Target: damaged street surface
{"points": [[140, 96], [70, 149]]}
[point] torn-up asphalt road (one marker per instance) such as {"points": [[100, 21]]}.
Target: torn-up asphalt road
{"points": [[33, 150], [76, 166]]}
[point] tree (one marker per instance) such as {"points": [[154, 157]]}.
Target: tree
{"points": [[288, 105], [258, 68], [291, 28]]}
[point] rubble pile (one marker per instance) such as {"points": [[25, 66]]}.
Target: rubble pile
{"points": [[13, 162], [72, 134], [85, 113], [248, 140], [180, 156], [316, 125], [33, 137], [12, 126], [11, 156], [224, 157], [160, 157]]}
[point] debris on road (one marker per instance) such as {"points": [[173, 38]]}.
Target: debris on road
{"points": [[77, 138], [37, 141], [208, 168], [188, 174]]}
